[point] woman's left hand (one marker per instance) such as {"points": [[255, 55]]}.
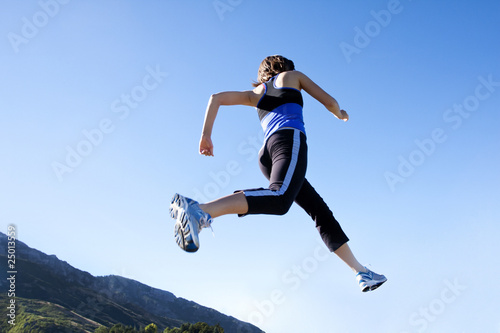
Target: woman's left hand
{"points": [[206, 146], [344, 115]]}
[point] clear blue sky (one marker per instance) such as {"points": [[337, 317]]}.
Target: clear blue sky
{"points": [[102, 104]]}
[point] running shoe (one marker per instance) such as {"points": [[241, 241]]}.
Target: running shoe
{"points": [[190, 220], [370, 281]]}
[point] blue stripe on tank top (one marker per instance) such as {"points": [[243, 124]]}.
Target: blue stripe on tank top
{"points": [[286, 115]]}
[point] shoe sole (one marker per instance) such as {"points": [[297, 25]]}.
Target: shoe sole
{"points": [[368, 287], [377, 285], [181, 241], [183, 227]]}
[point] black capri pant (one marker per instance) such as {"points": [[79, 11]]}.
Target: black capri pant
{"points": [[283, 160]]}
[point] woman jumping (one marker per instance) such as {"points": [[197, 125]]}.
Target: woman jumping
{"points": [[283, 160]]}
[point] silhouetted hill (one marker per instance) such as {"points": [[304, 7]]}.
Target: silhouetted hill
{"points": [[44, 283]]}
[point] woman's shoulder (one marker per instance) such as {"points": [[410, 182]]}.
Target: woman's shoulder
{"points": [[290, 79], [292, 74]]}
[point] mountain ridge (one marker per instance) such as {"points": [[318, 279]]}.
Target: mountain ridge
{"points": [[107, 300]]}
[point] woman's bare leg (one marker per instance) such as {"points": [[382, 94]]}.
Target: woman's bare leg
{"points": [[344, 252], [232, 204]]}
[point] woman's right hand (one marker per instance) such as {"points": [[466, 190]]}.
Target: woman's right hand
{"points": [[206, 146]]}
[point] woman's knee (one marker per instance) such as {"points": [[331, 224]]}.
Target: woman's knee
{"points": [[282, 205]]}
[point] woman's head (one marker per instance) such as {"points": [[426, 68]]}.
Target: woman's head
{"points": [[272, 66]]}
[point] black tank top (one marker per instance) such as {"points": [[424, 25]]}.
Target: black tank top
{"points": [[280, 107]]}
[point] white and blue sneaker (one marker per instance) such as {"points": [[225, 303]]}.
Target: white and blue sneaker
{"points": [[190, 220], [370, 281]]}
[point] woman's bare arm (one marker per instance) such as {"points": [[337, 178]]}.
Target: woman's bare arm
{"points": [[249, 97], [322, 96]]}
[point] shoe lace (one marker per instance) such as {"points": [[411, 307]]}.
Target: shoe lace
{"points": [[205, 221]]}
